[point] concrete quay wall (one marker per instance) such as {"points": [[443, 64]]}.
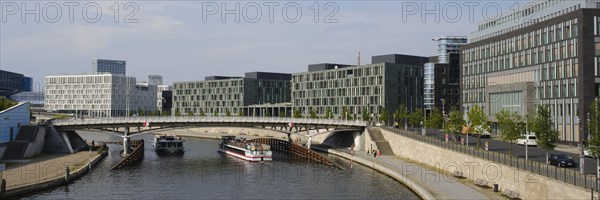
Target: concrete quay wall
{"points": [[528, 185]]}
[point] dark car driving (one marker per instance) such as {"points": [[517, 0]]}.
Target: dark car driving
{"points": [[561, 160]]}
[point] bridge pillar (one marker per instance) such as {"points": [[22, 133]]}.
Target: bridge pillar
{"points": [[126, 145]]}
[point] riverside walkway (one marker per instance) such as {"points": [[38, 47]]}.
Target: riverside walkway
{"points": [[438, 184], [26, 176]]}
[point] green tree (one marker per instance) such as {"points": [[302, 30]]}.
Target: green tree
{"points": [[346, 113], [401, 114], [365, 114], [313, 114], [202, 114], [6, 103], [164, 113], [510, 128], [282, 114], [297, 113], [190, 113], [268, 113], [416, 117], [329, 113], [240, 113], [479, 122], [384, 115], [455, 122], [216, 112], [593, 143], [543, 127], [435, 119], [139, 112], [227, 112], [177, 113]]}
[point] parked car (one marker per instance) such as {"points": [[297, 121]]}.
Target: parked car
{"points": [[529, 140], [561, 160]]}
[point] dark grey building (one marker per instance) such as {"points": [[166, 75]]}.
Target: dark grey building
{"points": [[390, 81], [109, 66], [221, 94], [10, 83], [552, 58]]}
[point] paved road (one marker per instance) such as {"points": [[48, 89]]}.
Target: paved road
{"points": [[534, 153]]}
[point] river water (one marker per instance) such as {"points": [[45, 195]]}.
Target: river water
{"points": [[204, 173]]}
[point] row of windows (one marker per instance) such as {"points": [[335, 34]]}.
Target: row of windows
{"points": [[529, 12], [557, 89], [376, 70], [557, 51], [541, 37], [343, 83]]}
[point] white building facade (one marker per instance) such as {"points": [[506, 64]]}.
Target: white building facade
{"points": [[98, 95]]}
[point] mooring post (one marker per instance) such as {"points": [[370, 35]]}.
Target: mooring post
{"points": [[67, 174], [3, 187]]}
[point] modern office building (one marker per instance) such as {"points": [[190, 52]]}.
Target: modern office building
{"points": [[218, 95], [548, 53], [390, 81], [109, 66], [155, 79], [99, 95], [11, 121], [441, 75], [161, 100], [27, 84], [10, 83]]}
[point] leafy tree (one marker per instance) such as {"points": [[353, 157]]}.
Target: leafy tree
{"points": [[313, 114], [282, 114], [190, 113], [384, 115], [139, 112], [202, 114], [416, 117], [268, 113], [329, 113], [543, 127], [177, 113], [227, 112], [164, 113], [510, 128], [6, 103], [435, 120], [240, 113], [593, 144], [365, 114], [297, 113], [401, 114], [479, 122], [346, 113], [455, 122], [216, 112]]}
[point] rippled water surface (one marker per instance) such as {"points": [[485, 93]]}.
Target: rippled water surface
{"points": [[204, 173]]}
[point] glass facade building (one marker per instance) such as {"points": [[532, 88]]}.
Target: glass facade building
{"points": [[551, 58], [109, 66], [217, 95]]}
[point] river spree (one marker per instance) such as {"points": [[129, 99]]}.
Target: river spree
{"points": [[204, 173]]}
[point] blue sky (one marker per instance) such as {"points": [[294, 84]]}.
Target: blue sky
{"points": [[171, 38]]}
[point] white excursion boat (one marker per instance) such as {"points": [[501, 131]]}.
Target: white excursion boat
{"points": [[168, 144], [241, 148]]}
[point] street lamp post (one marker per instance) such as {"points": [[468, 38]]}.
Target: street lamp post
{"points": [[526, 136]]}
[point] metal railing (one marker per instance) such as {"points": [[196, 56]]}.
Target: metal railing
{"points": [[587, 181], [207, 119]]}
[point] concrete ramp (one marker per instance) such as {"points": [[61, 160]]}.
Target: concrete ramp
{"points": [[382, 144], [34, 139]]}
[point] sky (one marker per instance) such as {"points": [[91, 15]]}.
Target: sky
{"points": [[188, 40]]}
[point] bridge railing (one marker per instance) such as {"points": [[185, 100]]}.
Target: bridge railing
{"points": [[206, 119]]}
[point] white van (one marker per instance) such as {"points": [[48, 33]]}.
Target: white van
{"points": [[529, 140]]}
